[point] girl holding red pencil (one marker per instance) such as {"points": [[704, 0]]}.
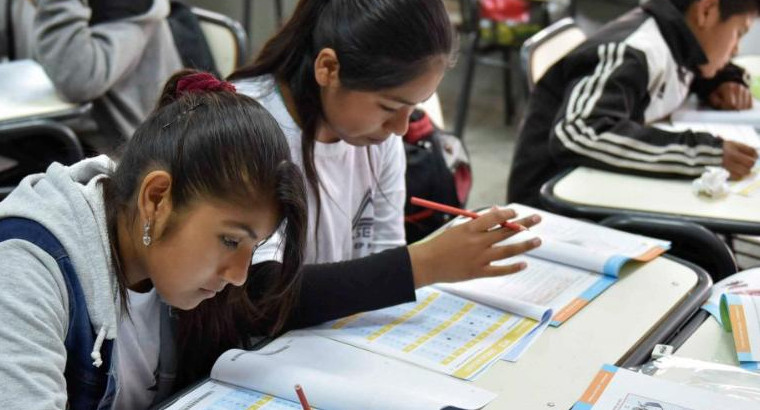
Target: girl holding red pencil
{"points": [[342, 78]]}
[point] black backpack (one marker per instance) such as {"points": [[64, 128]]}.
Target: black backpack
{"points": [[437, 169]]}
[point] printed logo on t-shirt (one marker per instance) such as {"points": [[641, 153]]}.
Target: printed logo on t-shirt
{"points": [[362, 225]]}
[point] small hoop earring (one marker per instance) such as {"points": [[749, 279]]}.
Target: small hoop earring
{"points": [[146, 233]]}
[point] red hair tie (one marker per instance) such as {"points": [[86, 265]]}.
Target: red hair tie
{"points": [[202, 82]]}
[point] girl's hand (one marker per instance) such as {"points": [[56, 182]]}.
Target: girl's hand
{"points": [[466, 251]]}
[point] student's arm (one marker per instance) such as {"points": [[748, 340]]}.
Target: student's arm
{"points": [[85, 62], [34, 321], [334, 290], [388, 230], [600, 122]]}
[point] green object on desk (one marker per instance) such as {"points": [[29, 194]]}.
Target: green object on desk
{"points": [[754, 86]]}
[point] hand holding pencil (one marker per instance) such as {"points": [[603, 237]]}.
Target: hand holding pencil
{"points": [[466, 251]]}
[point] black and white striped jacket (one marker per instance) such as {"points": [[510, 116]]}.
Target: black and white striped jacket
{"points": [[592, 107]]}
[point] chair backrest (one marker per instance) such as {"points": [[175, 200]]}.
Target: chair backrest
{"points": [[29, 147], [226, 39], [689, 241], [546, 47]]}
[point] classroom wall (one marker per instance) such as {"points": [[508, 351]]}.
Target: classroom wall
{"points": [[751, 42]]}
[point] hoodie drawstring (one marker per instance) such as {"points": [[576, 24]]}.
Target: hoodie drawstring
{"points": [[98, 360]]}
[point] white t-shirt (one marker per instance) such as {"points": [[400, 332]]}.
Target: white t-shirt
{"points": [[137, 348], [362, 208]]}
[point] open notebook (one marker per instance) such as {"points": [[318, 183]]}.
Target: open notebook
{"points": [[575, 263], [333, 375]]}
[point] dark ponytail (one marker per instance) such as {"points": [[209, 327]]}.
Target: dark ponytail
{"points": [[217, 145], [380, 44]]}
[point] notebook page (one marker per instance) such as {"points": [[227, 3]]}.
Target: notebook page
{"points": [[543, 285], [586, 245]]}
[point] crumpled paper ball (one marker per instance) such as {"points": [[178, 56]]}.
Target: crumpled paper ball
{"points": [[713, 183]]}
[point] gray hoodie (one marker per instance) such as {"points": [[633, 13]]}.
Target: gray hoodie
{"points": [[121, 66], [33, 299]]}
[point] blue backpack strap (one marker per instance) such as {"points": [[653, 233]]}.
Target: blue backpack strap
{"points": [[85, 383]]}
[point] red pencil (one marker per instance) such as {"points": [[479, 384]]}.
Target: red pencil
{"points": [[302, 398], [456, 211]]}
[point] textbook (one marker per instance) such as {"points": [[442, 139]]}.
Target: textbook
{"points": [[576, 262], [442, 332], [746, 282], [615, 388], [333, 376], [740, 314]]}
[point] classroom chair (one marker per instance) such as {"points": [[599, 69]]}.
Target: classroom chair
{"points": [[546, 47], [226, 39], [29, 147], [689, 241], [485, 31]]}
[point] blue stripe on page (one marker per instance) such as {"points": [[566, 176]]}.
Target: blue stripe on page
{"points": [[598, 287], [713, 310], [750, 365], [613, 265], [582, 406], [610, 368], [745, 357], [732, 299]]}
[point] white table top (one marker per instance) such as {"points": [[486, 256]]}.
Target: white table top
{"points": [[710, 343], [556, 370], [671, 197], [27, 92]]}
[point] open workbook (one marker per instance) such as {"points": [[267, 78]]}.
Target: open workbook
{"points": [[333, 376], [576, 262]]}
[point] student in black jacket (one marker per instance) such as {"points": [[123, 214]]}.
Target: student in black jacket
{"points": [[594, 106]]}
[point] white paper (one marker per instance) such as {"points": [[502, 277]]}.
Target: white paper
{"points": [[629, 390], [691, 111], [337, 376]]}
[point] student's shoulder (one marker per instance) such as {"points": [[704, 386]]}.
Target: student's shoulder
{"points": [[30, 271], [259, 88]]}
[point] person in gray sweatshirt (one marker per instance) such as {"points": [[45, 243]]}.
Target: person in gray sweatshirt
{"points": [[93, 254], [113, 53]]}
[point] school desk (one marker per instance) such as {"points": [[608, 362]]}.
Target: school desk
{"points": [[704, 339], [621, 326], [595, 194], [26, 93]]}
